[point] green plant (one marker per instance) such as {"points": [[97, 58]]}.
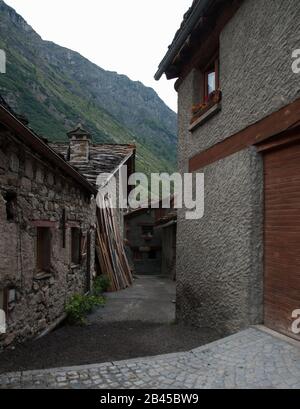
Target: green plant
{"points": [[101, 285], [79, 306]]}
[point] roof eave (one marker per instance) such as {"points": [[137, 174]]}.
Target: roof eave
{"points": [[11, 122], [182, 37]]}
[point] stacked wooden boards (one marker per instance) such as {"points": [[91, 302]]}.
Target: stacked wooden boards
{"points": [[110, 247]]}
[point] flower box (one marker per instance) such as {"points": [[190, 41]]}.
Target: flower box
{"points": [[200, 109]]}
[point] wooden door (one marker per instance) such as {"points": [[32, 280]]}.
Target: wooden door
{"points": [[282, 238]]}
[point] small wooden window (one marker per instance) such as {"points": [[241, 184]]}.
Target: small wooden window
{"points": [[147, 230], [211, 80], [10, 198], [43, 246], [3, 310], [75, 245], [3, 300], [207, 92]]}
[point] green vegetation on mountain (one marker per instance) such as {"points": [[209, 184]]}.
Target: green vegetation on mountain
{"points": [[55, 88]]}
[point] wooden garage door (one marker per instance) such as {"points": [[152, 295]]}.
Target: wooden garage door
{"points": [[282, 238]]}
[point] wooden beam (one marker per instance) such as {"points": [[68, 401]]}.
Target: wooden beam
{"points": [[272, 125], [44, 223], [287, 138], [74, 224], [208, 42]]}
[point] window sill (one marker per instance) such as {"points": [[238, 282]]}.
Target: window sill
{"points": [[147, 238], [74, 266], [42, 275], [205, 117]]}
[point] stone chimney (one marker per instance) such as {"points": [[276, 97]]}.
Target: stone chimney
{"points": [[80, 141]]}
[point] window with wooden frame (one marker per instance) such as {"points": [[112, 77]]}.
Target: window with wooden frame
{"points": [[208, 93], [3, 311], [4, 300], [148, 230], [43, 249], [210, 80], [10, 198], [75, 245]]}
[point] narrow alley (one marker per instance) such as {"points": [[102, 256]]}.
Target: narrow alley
{"points": [[136, 322]]}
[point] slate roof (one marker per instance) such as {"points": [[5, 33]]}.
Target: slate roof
{"points": [[184, 21], [190, 19], [104, 158], [17, 124]]}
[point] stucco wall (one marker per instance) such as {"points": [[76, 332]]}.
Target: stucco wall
{"points": [[168, 262], [220, 272], [256, 74]]}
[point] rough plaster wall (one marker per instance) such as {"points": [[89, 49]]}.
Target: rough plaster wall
{"points": [[42, 194], [220, 272], [255, 72], [168, 264]]}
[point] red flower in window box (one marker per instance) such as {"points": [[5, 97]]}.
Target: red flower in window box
{"points": [[199, 109]]}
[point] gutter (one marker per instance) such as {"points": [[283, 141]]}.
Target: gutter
{"points": [[32, 140], [179, 42]]}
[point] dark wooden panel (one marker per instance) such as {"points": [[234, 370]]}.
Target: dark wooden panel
{"points": [[268, 127], [282, 237]]}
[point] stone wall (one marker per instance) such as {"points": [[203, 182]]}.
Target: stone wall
{"points": [[42, 194], [220, 271]]}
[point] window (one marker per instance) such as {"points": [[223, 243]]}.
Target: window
{"points": [[210, 82], [208, 93], [10, 198], [147, 230], [75, 245], [43, 246], [3, 311], [3, 300]]}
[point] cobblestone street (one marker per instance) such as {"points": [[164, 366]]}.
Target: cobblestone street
{"points": [[251, 359]]}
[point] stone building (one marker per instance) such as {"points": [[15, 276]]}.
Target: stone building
{"points": [[47, 221], [152, 239], [144, 240], [98, 162], [239, 116]]}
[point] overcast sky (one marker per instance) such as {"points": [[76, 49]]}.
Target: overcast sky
{"points": [[127, 36]]}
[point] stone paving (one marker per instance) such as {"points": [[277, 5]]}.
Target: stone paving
{"points": [[252, 359]]}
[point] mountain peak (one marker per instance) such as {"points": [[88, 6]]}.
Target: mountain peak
{"points": [[15, 17], [55, 87]]}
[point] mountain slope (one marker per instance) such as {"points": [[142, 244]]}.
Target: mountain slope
{"points": [[56, 88]]}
